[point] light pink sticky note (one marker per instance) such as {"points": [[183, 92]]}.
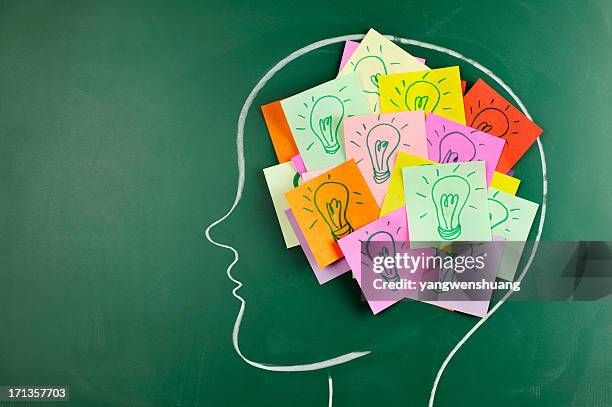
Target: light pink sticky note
{"points": [[299, 163], [374, 140], [392, 226], [323, 275], [449, 141], [308, 175], [350, 47]]}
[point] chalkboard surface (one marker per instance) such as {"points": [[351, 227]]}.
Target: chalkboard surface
{"points": [[117, 149]]}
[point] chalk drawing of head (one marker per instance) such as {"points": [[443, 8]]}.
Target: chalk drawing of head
{"points": [[351, 354]]}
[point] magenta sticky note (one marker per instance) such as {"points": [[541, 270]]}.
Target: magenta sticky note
{"points": [[449, 142], [299, 163], [392, 227], [374, 140], [350, 47], [323, 275]]}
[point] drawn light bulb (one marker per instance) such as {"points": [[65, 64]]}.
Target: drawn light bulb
{"points": [[331, 200], [449, 205], [325, 120], [375, 67], [382, 141], [492, 121], [498, 213], [422, 95], [382, 244], [456, 147]]}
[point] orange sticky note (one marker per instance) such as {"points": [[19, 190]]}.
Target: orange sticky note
{"points": [[330, 207], [281, 136], [463, 85], [488, 111]]}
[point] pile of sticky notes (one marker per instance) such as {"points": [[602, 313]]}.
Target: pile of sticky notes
{"points": [[393, 149]]}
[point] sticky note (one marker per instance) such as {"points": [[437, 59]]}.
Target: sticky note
{"points": [[395, 191], [447, 202], [511, 217], [349, 49], [392, 228], [493, 253], [330, 207], [325, 274], [374, 141], [451, 142], [505, 183], [298, 163], [377, 56], [308, 175], [280, 134], [280, 179], [435, 91], [463, 86], [488, 111], [315, 118]]}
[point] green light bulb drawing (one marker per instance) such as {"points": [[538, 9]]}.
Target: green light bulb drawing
{"points": [[331, 200], [449, 195], [382, 141], [498, 213], [422, 95], [382, 244], [325, 120], [376, 67]]}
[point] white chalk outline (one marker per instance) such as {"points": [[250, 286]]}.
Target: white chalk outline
{"points": [[241, 180]]}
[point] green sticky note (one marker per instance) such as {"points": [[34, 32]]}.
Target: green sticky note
{"points": [[510, 217], [315, 118], [447, 202], [280, 179]]}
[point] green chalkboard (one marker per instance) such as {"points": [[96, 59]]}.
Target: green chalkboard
{"points": [[118, 148]]}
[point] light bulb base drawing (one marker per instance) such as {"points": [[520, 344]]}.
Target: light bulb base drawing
{"points": [[449, 234], [381, 176], [331, 149], [343, 231]]}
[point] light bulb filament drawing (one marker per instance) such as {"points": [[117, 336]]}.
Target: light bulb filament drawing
{"points": [[382, 141], [422, 95], [375, 64], [449, 195], [491, 120], [331, 200], [382, 244], [456, 147], [325, 120]]}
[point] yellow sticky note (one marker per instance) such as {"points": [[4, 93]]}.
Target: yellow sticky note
{"points": [[505, 183], [377, 56], [395, 197], [435, 91]]}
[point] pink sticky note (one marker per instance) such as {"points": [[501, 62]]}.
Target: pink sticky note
{"points": [[325, 274], [392, 227], [299, 163], [450, 142], [374, 141], [308, 175], [350, 47]]}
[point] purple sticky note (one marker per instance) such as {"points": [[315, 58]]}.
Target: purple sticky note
{"points": [[325, 274], [349, 49], [450, 142], [299, 164]]}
